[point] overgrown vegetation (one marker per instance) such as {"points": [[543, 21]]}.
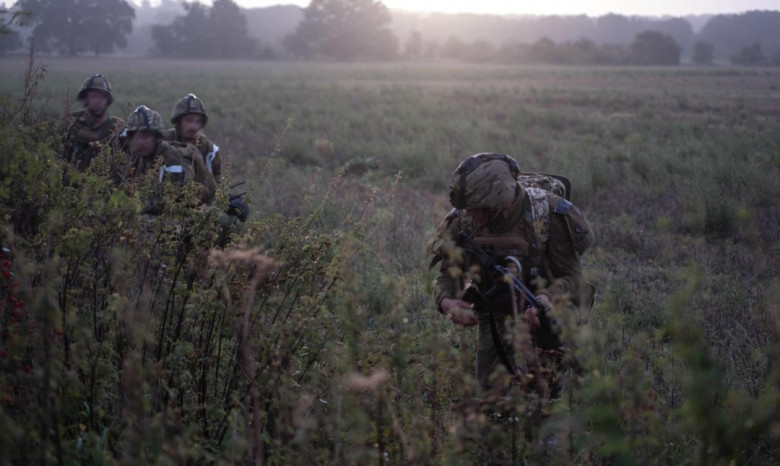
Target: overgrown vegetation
{"points": [[311, 338]]}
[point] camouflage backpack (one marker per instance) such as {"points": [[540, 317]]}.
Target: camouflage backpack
{"points": [[550, 193]]}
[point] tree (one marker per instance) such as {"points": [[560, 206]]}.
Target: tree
{"points": [[217, 32], [750, 55], [453, 48], [703, 53], [727, 32], [74, 26], [9, 38], [344, 30], [655, 48], [414, 46]]}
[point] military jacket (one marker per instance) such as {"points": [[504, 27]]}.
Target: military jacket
{"points": [[548, 253], [83, 142], [208, 150], [179, 164]]}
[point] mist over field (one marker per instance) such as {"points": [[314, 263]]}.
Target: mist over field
{"points": [[318, 342]]}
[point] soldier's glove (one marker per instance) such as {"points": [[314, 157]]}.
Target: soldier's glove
{"points": [[238, 208]]}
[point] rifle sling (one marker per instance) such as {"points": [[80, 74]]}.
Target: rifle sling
{"points": [[502, 356]]}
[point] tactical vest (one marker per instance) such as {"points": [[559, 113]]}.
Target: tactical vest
{"points": [[83, 143], [526, 240], [181, 164], [207, 149]]}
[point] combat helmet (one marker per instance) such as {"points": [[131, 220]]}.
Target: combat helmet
{"points": [[97, 82], [144, 118], [190, 103], [484, 181]]}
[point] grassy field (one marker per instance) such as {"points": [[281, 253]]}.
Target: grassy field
{"points": [[347, 167]]}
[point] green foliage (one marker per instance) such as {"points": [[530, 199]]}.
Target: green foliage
{"points": [[311, 338], [703, 53], [220, 31], [748, 55], [727, 33], [655, 48], [74, 26], [344, 30]]}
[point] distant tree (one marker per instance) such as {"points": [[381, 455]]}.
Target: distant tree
{"points": [[203, 32], [727, 32], [750, 55], [610, 54], [513, 52], [414, 45], [74, 26], [453, 48], [615, 29], [344, 30], [702, 53], [480, 51], [678, 28], [229, 30], [9, 38], [431, 49], [655, 48], [544, 50]]}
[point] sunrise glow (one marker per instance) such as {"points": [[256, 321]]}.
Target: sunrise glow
{"points": [[561, 7]]}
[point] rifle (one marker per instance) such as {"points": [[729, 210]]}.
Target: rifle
{"points": [[548, 336]]}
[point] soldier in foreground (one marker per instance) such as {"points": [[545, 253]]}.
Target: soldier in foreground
{"points": [[545, 234], [91, 129], [176, 163]]}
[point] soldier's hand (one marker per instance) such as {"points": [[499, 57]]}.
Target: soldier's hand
{"points": [[459, 312], [532, 314]]}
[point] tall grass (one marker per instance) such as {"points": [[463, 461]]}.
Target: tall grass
{"points": [[311, 337]]}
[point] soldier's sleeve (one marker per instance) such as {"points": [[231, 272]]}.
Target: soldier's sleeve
{"points": [[570, 236], [174, 169], [205, 178], [213, 160], [446, 252], [563, 260]]}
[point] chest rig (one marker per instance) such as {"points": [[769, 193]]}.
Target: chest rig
{"points": [[526, 239]]}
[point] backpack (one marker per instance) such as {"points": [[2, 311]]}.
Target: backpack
{"points": [[550, 193]]}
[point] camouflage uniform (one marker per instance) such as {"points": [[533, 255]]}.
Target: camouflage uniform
{"points": [[190, 104], [83, 141], [178, 163], [546, 233]]}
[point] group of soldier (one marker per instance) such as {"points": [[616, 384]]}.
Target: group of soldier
{"points": [[182, 154], [538, 232]]}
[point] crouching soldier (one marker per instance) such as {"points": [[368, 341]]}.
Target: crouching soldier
{"points": [[169, 161]]}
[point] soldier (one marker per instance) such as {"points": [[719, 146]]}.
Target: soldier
{"points": [[189, 117], [178, 163], [91, 129], [544, 232]]}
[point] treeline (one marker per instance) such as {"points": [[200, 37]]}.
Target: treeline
{"points": [[367, 30]]}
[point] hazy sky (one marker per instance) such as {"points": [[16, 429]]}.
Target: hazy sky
{"points": [[563, 7]]}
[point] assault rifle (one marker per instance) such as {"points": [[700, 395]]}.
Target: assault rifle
{"points": [[547, 337]]}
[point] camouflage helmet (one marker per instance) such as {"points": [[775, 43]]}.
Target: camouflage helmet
{"points": [[484, 181], [190, 103], [144, 118], [97, 82]]}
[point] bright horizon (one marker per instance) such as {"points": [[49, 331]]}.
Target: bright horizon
{"points": [[557, 7]]}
